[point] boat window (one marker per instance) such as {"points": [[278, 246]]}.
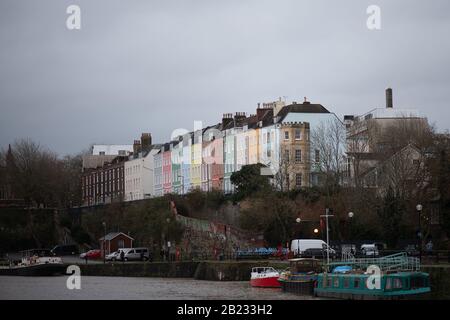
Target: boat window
{"points": [[336, 282], [397, 283], [388, 284], [356, 283], [346, 282]]}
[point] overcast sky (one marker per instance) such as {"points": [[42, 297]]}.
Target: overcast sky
{"points": [[153, 66]]}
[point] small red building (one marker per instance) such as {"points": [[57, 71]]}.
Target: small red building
{"points": [[114, 241]]}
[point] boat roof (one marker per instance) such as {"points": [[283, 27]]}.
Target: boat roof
{"points": [[362, 274], [303, 259]]}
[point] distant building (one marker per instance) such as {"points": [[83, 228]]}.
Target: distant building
{"points": [[368, 134], [103, 179], [167, 168], [111, 150], [158, 172], [139, 170], [114, 241]]}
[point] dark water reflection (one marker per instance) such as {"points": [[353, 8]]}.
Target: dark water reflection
{"points": [[123, 288]]}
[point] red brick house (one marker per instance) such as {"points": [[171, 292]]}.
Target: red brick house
{"points": [[114, 241]]}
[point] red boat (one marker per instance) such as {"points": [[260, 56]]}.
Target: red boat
{"points": [[265, 277]]}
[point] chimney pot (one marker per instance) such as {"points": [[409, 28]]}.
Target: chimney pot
{"points": [[389, 100]]}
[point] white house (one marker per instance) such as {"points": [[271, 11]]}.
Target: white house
{"points": [[139, 176]]}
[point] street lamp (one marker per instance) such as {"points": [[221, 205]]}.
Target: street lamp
{"points": [[316, 231], [298, 220], [104, 241], [419, 233], [168, 240], [326, 216]]}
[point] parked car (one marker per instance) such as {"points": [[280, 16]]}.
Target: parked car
{"points": [[135, 254], [113, 256], [411, 250], [65, 250], [298, 246], [92, 254], [369, 250]]}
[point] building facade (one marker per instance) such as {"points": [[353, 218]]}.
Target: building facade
{"points": [[104, 183]]}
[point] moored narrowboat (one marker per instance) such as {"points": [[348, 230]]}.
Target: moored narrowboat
{"points": [[301, 276], [354, 286], [391, 277]]}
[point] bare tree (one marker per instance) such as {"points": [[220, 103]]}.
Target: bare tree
{"points": [[328, 145]]}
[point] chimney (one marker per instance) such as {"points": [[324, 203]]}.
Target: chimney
{"points": [[136, 147], [227, 118], [146, 141], [389, 103], [239, 119], [261, 112]]}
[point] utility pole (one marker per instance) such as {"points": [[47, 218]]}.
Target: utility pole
{"points": [[326, 216]]}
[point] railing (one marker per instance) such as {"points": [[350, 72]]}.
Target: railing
{"points": [[399, 261]]}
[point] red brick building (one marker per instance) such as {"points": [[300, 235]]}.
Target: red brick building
{"points": [[103, 179], [114, 241]]}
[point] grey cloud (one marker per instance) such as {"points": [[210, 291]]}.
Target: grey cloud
{"points": [[158, 65]]}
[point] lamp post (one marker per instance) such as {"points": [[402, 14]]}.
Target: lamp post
{"points": [[326, 216], [168, 240], [419, 233], [104, 241], [350, 217], [298, 221]]}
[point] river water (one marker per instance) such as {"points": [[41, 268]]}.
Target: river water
{"points": [[126, 288]]}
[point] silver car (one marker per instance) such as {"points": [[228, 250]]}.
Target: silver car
{"points": [[130, 254]]}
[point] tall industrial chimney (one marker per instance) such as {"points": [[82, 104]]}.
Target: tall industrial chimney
{"points": [[389, 103]]}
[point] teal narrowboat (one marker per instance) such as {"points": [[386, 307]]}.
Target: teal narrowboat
{"points": [[354, 286], [398, 277]]}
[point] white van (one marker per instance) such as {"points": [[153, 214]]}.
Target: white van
{"points": [[298, 246], [369, 250]]}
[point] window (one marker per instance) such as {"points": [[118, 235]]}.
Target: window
{"points": [[346, 282], [286, 155], [286, 135], [336, 282], [102, 153], [356, 283], [268, 137], [388, 284], [298, 179], [317, 155], [298, 135], [397, 283], [298, 155]]}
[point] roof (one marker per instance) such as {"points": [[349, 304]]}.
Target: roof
{"points": [[95, 161], [305, 107], [113, 235], [111, 149]]}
